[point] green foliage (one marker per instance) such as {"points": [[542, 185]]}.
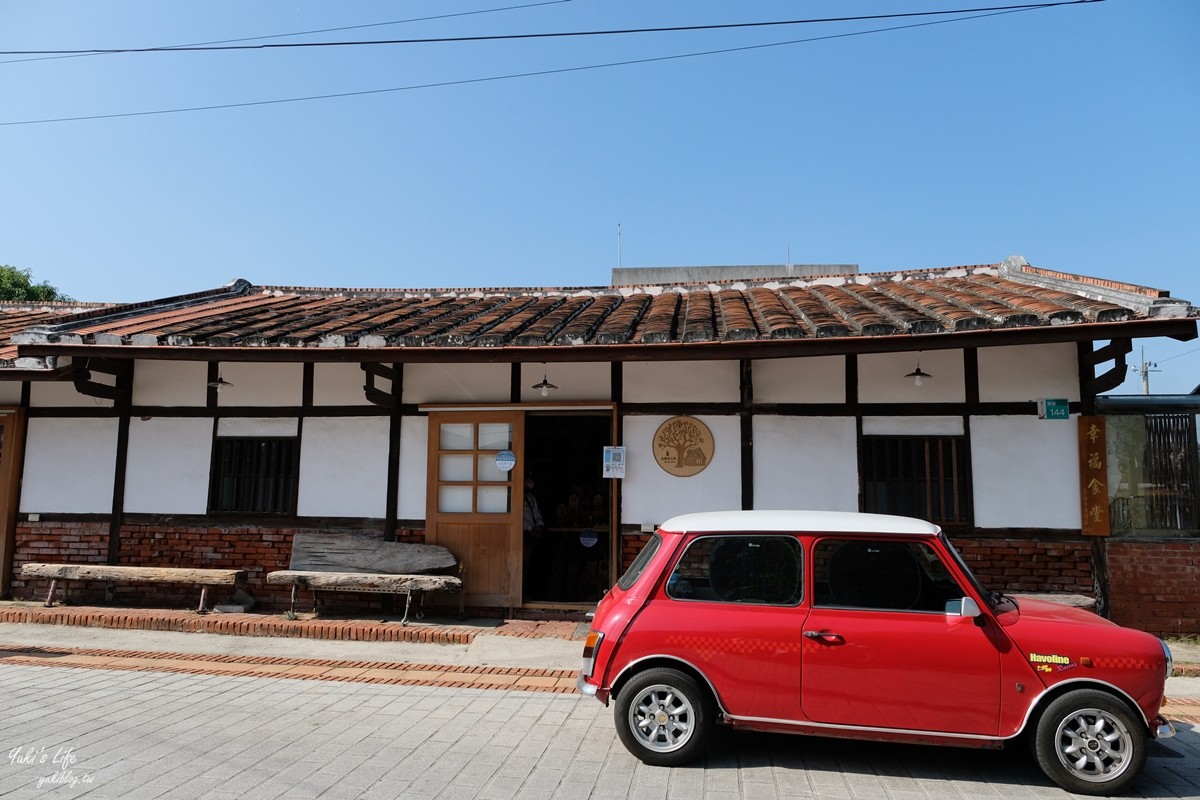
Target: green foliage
{"points": [[17, 284]]}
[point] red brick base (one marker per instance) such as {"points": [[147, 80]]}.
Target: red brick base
{"points": [[1153, 585]]}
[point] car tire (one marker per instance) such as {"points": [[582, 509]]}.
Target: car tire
{"points": [[663, 717], [1090, 742]]}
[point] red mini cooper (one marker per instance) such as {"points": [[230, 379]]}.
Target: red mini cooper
{"points": [[862, 626]]}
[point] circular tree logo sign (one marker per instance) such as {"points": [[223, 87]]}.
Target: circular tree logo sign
{"points": [[683, 446]]}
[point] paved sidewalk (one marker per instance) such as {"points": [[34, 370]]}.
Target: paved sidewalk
{"points": [[117, 735]]}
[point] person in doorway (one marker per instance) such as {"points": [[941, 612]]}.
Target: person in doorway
{"points": [[535, 528]]}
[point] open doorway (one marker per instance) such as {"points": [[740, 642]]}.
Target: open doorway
{"points": [[568, 561]]}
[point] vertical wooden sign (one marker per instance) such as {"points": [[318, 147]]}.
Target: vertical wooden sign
{"points": [[1093, 476]]}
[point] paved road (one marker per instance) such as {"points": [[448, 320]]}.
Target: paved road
{"points": [[137, 735]]}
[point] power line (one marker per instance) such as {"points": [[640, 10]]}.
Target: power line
{"points": [[85, 53], [551, 35], [515, 75], [1178, 355]]}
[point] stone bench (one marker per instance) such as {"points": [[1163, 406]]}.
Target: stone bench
{"points": [[111, 573], [347, 563]]}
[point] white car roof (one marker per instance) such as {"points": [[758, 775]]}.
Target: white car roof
{"points": [[798, 522]]}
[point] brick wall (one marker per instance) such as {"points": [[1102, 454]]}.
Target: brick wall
{"points": [[631, 545], [255, 549], [1027, 565], [1155, 585]]}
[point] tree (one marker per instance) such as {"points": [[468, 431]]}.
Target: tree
{"points": [[679, 435], [17, 284]]}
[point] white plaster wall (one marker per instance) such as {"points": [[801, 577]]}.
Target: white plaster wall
{"points": [[1029, 372], [574, 382], [675, 381], [70, 465], [821, 379], [1025, 472], [805, 462], [457, 383], [256, 384], [650, 495], [881, 377], [414, 459], [343, 467], [342, 385], [170, 383], [62, 394], [10, 393], [251, 426], [912, 426], [168, 470]]}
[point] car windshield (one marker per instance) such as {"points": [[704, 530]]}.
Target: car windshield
{"points": [[993, 598]]}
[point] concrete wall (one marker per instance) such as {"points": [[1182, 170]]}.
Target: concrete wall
{"points": [[1025, 472], [171, 383], [257, 384], [821, 379], [169, 462], [805, 462], [650, 495], [343, 467], [688, 381], [70, 465]]}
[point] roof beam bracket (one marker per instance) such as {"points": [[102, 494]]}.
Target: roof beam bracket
{"points": [[377, 396], [120, 392]]}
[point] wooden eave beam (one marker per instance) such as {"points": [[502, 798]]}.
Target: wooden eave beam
{"points": [[1180, 329]]}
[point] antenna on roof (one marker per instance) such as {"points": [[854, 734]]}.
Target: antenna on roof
{"points": [[789, 261], [618, 245]]}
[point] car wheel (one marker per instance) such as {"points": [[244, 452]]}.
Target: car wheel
{"points": [[1089, 742], [663, 717]]}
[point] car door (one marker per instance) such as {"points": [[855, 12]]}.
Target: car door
{"points": [[731, 608], [880, 649]]}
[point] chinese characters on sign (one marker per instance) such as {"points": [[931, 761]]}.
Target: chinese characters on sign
{"points": [[1093, 476], [614, 462]]}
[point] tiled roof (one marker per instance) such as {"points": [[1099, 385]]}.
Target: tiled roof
{"points": [[951, 300], [18, 316]]}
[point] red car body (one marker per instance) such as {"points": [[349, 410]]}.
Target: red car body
{"points": [[861, 649]]}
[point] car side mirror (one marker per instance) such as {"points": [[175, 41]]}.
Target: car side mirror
{"points": [[963, 607]]}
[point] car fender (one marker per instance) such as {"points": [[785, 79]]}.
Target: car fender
{"points": [[670, 661]]}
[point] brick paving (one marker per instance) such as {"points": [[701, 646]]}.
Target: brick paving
{"points": [[137, 725], [154, 619], [111, 734]]}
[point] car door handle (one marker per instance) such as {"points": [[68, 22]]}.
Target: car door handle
{"points": [[825, 637]]}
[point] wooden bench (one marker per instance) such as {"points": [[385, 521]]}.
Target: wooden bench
{"points": [[111, 573], [346, 563]]}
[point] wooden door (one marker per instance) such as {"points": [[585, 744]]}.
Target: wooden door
{"points": [[474, 506], [12, 442]]}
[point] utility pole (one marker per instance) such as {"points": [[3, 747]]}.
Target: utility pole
{"points": [[1145, 370]]}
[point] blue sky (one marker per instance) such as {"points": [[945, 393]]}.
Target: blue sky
{"points": [[1066, 135]]}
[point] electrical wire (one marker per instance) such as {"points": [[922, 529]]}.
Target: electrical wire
{"points": [[515, 75], [86, 53], [552, 35], [1178, 355]]}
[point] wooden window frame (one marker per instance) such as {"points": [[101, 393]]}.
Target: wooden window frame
{"points": [[286, 480], [920, 464]]}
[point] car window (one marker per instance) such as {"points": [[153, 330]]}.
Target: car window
{"points": [[885, 575], [764, 570], [640, 562]]}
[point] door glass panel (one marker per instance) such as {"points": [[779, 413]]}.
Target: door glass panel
{"points": [[494, 500], [454, 499], [488, 471], [457, 436], [454, 468], [495, 435]]}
